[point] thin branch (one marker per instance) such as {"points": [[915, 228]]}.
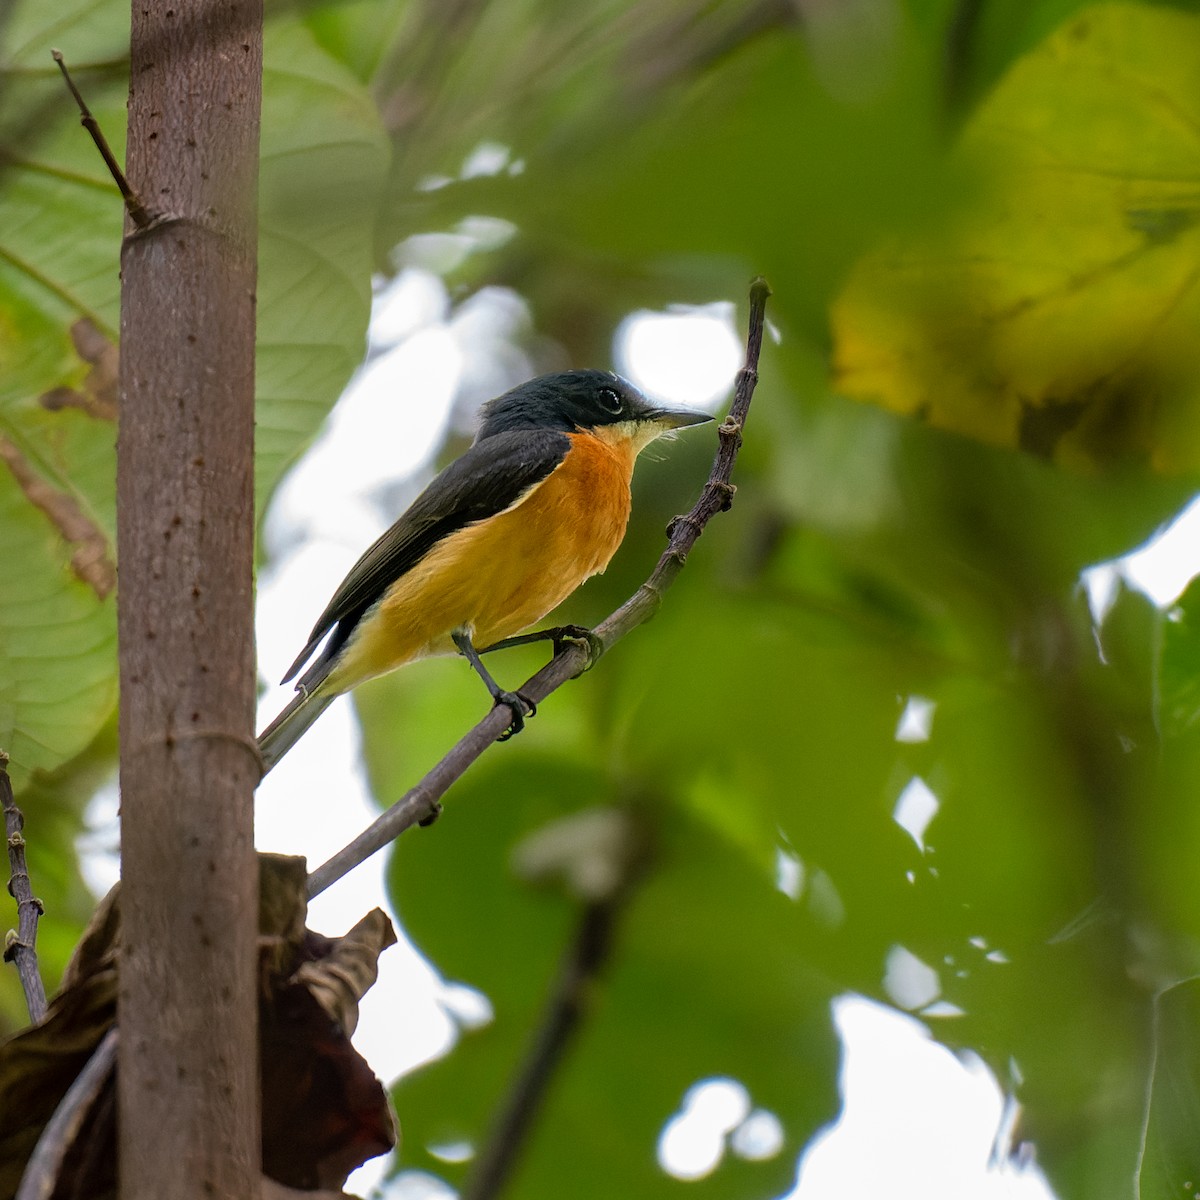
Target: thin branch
{"points": [[583, 963], [21, 947], [46, 1161], [138, 212], [421, 803]]}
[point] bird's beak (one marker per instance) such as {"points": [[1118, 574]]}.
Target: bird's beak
{"points": [[677, 418]]}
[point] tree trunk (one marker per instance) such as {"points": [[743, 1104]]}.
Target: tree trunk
{"points": [[188, 1065]]}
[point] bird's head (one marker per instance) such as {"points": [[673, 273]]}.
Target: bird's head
{"points": [[596, 401]]}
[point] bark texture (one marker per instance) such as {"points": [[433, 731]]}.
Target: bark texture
{"points": [[188, 1065]]}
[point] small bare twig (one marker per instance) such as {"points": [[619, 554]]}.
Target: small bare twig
{"points": [[20, 947], [138, 212], [585, 959], [45, 1163], [421, 802]]}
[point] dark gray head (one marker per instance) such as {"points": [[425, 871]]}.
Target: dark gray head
{"points": [[573, 400]]}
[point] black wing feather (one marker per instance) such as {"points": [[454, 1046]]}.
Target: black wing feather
{"points": [[490, 477]]}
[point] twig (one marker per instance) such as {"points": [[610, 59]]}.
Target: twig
{"points": [[585, 959], [20, 947], [45, 1163], [138, 212], [421, 802]]}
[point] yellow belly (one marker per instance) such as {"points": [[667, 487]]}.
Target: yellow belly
{"points": [[500, 576]]}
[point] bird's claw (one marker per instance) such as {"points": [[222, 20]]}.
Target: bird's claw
{"points": [[520, 707], [584, 638], [435, 811]]}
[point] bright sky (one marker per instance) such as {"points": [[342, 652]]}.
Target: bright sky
{"points": [[918, 1121]]}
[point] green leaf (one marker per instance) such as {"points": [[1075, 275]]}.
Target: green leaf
{"points": [[324, 159], [57, 644], [1170, 1160], [707, 979], [1178, 698], [1054, 309]]}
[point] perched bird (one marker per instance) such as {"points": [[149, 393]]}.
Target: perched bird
{"points": [[504, 534]]}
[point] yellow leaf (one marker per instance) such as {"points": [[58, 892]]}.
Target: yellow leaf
{"points": [[1057, 309]]}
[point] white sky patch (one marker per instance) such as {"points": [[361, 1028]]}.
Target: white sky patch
{"points": [[1160, 569], [467, 1005], [916, 721], [1166, 564], [915, 808], [488, 158], [918, 1122], [684, 356], [487, 233], [314, 802], [693, 1142], [1101, 584], [789, 873], [910, 982], [389, 422], [453, 1152], [416, 1185], [991, 955], [943, 1008], [99, 845], [298, 587], [413, 300], [490, 328], [758, 1137], [824, 900]]}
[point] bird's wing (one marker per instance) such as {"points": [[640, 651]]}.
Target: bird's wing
{"points": [[491, 476]]}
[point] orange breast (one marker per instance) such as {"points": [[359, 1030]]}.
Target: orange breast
{"points": [[501, 575]]}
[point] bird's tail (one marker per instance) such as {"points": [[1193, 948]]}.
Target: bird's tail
{"points": [[291, 724]]}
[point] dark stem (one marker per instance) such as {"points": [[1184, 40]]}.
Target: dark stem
{"points": [[585, 959], [45, 1163], [133, 202], [420, 803], [961, 33], [22, 948]]}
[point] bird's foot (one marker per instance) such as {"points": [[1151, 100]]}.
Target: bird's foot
{"points": [[435, 811], [584, 638], [520, 707]]}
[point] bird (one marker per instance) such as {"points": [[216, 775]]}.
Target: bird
{"points": [[501, 536]]}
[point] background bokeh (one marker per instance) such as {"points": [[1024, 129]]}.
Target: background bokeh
{"points": [[901, 733]]}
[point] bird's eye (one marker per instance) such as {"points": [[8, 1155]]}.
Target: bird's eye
{"points": [[610, 401]]}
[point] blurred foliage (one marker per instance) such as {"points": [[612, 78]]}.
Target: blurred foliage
{"points": [[1056, 308], [978, 215], [60, 229]]}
